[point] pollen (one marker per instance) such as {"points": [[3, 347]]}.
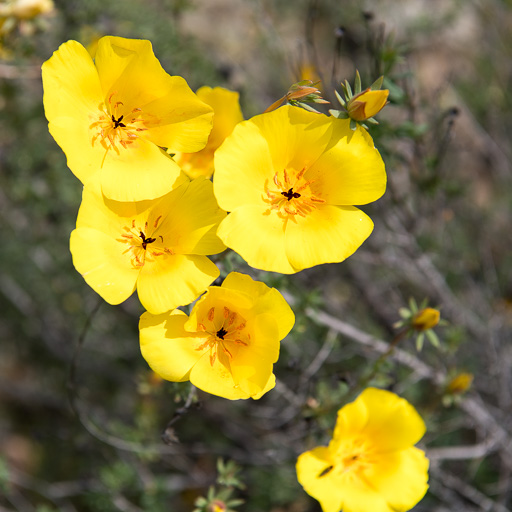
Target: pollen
{"points": [[293, 195], [141, 244], [226, 333], [116, 126]]}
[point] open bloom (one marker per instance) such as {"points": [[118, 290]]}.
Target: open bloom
{"points": [[158, 247], [112, 116], [289, 179], [370, 463], [229, 343], [226, 115]]}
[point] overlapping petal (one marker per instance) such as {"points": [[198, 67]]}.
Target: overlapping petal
{"points": [[112, 117], [227, 114], [161, 245], [293, 176], [233, 336]]}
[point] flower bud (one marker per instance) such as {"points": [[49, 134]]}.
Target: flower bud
{"points": [[460, 383], [424, 319], [366, 104]]}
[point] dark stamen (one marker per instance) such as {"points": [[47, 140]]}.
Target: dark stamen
{"points": [[221, 333], [325, 471], [117, 122], [290, 194], [145, 241]]}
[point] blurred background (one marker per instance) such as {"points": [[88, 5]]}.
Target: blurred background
{"points": [[86, 426]]}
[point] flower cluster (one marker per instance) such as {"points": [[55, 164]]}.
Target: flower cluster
{"points": [[171, 177]]}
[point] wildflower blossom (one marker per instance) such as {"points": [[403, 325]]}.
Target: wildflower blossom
{"points": [[227, 114], [112, 116], [229, 343], [289, 179], [158, 247], [370, 463]]}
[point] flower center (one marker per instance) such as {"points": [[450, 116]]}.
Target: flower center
{"points": [[353, 456], [114, 125], [143, 247], [226, 330], [293, 195]]}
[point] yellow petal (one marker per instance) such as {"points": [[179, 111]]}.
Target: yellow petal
{"points": [[393, 423], [100, 260], [351, 172], [334, 490], [400, 477], [266, 300], [166, 346], [71, 84], [310, 465], [215, 379], [174, 280], [185, 121], [327, 234], [227, 112], [227, 115], [295, 137], [191, 217], [258, 237], [142, 171], [243, 164]]}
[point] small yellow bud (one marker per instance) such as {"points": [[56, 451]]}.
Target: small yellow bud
{"points": [[366, 104], [460, 383], [425, 319], [217, 506]]}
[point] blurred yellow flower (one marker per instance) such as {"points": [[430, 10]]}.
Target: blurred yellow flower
{"points": [[25, 9], [228, 345], [112, 116], [366, 104], [426, 318], [226, 115], [370, 464], [158, 247], [289, 179], [460, 384]]}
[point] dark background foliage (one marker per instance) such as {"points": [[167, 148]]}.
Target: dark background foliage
{"points": [[85, 425]]}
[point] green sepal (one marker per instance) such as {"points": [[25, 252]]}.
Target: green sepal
{"points": [[339, 98], [357, 83], [377, 84]]}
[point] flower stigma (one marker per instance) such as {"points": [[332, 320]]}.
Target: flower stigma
{"points": [[139, 239], [225, 329], [352, 456], [116, 126], [293, 195]]}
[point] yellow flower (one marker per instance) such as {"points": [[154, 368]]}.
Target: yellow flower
{"points": [[112, 116], [370, 463], [226, 114], [228, 345], [366, 104], [426, 318], [289, 179], [26, 9], [158, 247]]}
